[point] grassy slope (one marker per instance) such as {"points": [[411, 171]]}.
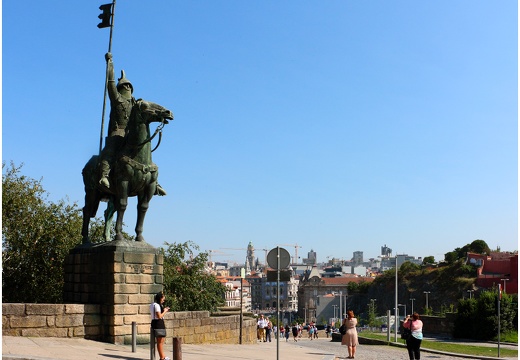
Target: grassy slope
{"points": [[453, 347]]}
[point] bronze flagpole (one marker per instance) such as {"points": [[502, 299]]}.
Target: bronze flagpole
{"points": [[106, 79]]}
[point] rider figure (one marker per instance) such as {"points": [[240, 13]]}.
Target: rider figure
{"points": [[121, 103]]}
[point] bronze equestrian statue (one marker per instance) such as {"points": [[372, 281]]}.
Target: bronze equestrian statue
{"points": [[125, 166]]}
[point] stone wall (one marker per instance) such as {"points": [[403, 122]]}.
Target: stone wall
{"points": [[439, 326], [50, 320], [76, 320]]}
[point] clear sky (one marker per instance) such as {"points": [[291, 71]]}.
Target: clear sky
{"points": [[339, 126]]}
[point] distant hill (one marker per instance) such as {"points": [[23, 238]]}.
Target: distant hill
{"points": [[445, 283]]}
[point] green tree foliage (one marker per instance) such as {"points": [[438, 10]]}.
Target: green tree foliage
{"points": [[477, 246], [187, 284], [36, 237], [477, 317], [451, 256], [428, 260], [408, 267]]}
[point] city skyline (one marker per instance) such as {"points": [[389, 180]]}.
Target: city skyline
{"points": [[223, 256]]}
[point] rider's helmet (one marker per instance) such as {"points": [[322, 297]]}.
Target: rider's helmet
{"points": [[123, 80]]}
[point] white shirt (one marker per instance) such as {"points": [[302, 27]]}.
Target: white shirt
{"points": [[154, 309], [262, 323]]}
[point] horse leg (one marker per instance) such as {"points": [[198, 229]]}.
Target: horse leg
{"points": [[143, 202], [109, 215], [84, 228], [121, 204], [89, 211]]}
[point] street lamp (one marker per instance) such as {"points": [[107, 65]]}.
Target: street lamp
{"points": [[412, 300], [504, 280], [470, 292], [372, 302], [335, 307], [372, 309], [426, 292]]}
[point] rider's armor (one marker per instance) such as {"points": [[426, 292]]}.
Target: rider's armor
{"points": [[120, 110]]}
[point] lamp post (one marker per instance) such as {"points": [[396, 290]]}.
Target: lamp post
{"points": [[504, 280], [372, 302], [241, 310], [470, 292], [372, 311], [426, 292], [412, 300], [335, 307]]}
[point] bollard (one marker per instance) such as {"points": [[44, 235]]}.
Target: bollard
{"points": [[152, 344], [177, 351], [134, 336]]}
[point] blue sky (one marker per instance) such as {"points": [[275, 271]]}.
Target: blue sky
{"points": [[339, 126]]}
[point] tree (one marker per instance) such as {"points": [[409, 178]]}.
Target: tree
{"points": [[408, 267], [428, 260], [451, 257], [187, 285], [36, 237], [477, 317], [479, 247]]}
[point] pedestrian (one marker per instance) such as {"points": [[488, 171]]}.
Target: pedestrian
{"points": [[268, 330], [315, 332], [350, 338], [413, 343], [157, 312], [287, 332], [282, 332], [295, 331], [262, 324], [311, 331]]}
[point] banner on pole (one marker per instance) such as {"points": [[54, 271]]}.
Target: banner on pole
{"points": [[105, 16]]}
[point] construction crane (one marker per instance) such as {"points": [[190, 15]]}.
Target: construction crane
{"points": [[265, 251], [212, 253], [296, 246]]}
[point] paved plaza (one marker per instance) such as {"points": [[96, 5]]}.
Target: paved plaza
{"points": [[22, 348]]}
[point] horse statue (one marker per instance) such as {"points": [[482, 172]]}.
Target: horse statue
{"points": [[133, 173]]}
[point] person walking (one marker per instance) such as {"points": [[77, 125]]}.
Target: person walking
{"points": [[351, 337], [262, 324], [295, 331], [311, 331], [287, 332], [157, 311], [413, 343], [268, 330]]}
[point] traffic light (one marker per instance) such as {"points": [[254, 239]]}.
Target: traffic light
{"points": [[105, 16]]}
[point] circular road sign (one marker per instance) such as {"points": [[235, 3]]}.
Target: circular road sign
{"points": [[285, 258]]}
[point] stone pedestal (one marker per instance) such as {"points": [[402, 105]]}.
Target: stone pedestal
{"points": [[121, 277]]}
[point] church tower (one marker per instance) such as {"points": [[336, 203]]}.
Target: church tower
{"points": [[250, 257]]}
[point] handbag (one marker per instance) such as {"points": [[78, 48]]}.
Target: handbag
{"points": [[406, 333], [159, 332]]}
